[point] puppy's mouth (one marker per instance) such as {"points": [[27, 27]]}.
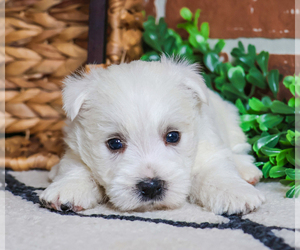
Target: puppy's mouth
{"points": [[146, 194], [151, 190]]}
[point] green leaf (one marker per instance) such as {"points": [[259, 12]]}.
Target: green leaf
{"points": [[270, 151], [262, 60], [288, 80], [256, 78], [190, 28], [297, 102], [211, 60], [150, 56], [291, 157], [290, 136], [290, 173], [169, 45], [291, 102], [268, 140], [266, 100], [297, 85], [197, 15], [287, 182], [253, 139], [236, 75], [236, 52], [263, 127], [284, 142], [240, 106], [266, 169], [222, 69], [162, 27], [252, 51], [290, 119], [248, 118], [174, 34], [186, 14], [291, 192], [150, 24], [198, 41], [259, 163], [246, 126], [241, 46], [219, 82], [281, 158], [293, 89], [204, 29], [272, 160], [297, 90], [273, 81], [270, 120], [184, 50], [248, 60], [207, 80], [231, 92], [195, 39], [151, 38], [257, 105], [219, 46], [276, 172], [281, 108]]}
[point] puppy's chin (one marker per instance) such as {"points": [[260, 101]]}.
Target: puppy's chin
{"points": [[146, 206], [128, 200], [156, 206]]}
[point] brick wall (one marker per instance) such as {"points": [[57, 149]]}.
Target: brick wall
{"points": [[235, 18], [267, 24]]}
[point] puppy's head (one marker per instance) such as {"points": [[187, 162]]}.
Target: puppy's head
{"points": [[135, 126]]}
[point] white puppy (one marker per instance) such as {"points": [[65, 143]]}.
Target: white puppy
{"points": [[149, 135]]}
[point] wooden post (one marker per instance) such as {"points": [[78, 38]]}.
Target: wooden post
{"points": [[97, 31]]}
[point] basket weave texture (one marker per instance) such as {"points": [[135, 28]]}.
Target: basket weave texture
{"points": [[46, 40], [125, 25], [42, 150]]}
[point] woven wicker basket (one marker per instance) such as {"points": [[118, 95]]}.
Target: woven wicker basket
{"points": [[45, 41]]}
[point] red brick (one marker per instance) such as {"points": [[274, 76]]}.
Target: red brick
{"points": [[284, 63], [286, 66], [149, 8], [233, 18]]}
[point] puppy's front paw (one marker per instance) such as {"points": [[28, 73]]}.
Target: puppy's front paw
{"points": [[247, 170], [71, 194], [251, 175], [233, 198]]}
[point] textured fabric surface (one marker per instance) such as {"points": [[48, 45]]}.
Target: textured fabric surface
{"points": [[30, 226]]}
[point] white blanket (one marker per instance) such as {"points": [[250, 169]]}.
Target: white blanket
{"points": [[29, 226]]}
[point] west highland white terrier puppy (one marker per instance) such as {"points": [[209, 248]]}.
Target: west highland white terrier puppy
{"points": [[151, 135]]}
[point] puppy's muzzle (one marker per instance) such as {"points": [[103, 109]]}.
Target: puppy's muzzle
{"points": [[151, 189]]}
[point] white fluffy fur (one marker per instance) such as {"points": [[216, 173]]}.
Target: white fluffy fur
{"points": [[140, 101]]}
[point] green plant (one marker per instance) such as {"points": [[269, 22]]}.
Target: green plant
{"points": [[270, 127], [268, 122], [162, 39]]}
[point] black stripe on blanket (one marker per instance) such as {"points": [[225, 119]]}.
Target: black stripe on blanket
{"points": [[260, 232]]}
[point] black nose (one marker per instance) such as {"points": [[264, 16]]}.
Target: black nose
{"points": [[150, 188]]}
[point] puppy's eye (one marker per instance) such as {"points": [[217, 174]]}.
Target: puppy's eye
{"points": [[172, 137], [115, 144]]}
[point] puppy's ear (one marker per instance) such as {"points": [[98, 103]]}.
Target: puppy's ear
{"points": [[192, 80], [74, 93], [195, 83]]}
